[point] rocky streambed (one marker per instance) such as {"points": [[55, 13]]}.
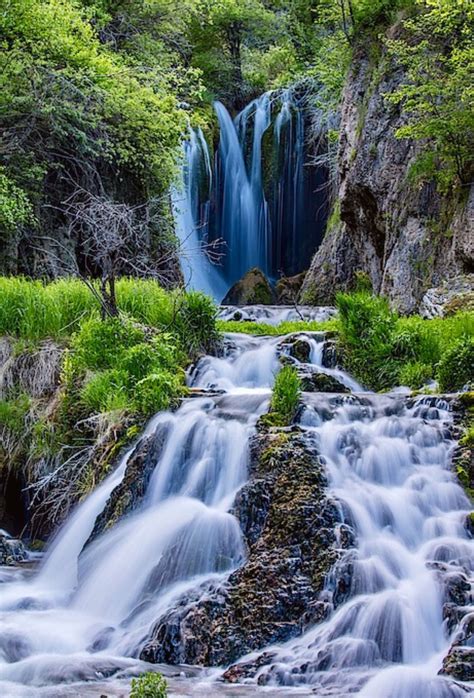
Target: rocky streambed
{"points": [[329, 557]]}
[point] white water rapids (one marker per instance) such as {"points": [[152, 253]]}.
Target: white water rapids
{"points": [[85, 613]]}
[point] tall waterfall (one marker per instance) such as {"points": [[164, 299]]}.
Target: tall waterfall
{"points": [[258, 197], [85, 614]]}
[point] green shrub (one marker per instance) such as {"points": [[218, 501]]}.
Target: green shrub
{"points": [[415, 374], [150, 685], [456, 368], [106, 391], [286, 394], [158, 391], [383, 350], [100, 343], [367, 326], [13, 413], [195, 323]]}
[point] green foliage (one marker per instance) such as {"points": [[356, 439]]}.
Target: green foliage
{"points": [[129, 372], [287, 327], [383, 350], [285, 395], [221, 31], [101, 343], [13, 413], [415, 374], [15, 206], [113, 364], [150, 685], [456, 368], [35, 310], [438, 56], [106, 391], [367, 327], [195, 323], [92, 99], [158, 391]]}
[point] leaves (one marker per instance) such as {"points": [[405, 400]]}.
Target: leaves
{"points": [[437, 96]]}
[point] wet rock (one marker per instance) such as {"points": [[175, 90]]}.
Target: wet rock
{"points": [[459, 663], [288, 524], [252, 289], [129, 493], [457, 588], [300, 349], [288, 288], [13, 646], [312, 382], [12, 550], [330, 358], [237, 672]]}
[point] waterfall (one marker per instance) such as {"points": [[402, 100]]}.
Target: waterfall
{"points": [[259, 198], [192, 219], [85, 614]]}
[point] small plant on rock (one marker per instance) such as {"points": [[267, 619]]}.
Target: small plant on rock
{"points": [[285, 398], [149, 685]]}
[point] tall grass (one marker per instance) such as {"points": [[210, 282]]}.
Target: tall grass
{"points": [[383, 350], [35, 310], [285, 397]]}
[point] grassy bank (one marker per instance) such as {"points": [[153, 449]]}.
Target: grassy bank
{"points": [[383, 350], [107, 376], [287, 327]]}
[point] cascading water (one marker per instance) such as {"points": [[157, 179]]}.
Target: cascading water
{"points": [[260, 199], [86, 612], [388, 469]]}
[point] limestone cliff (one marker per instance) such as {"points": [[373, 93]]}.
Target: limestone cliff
{"points": [[407, 237]]}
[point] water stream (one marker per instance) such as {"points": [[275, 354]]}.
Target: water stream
{"points": [[84, 615]]}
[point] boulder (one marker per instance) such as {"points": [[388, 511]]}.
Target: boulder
{"points": [[452, 296], [252, 289], [288, 288], [12, 550], [321, 383]]}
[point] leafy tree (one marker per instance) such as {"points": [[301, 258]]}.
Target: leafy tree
{"points": [[219, 30], [77, 115], [438, 94]]}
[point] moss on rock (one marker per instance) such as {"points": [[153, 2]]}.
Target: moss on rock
{"points": [[288, 523]]}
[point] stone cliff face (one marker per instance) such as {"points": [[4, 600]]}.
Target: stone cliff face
{"points": [[406, 237]]}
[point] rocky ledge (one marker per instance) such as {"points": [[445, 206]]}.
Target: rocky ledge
{"points": [[288, 523]]}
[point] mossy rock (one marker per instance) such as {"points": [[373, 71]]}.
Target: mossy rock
{"points": [[252, 289], [462, 303], [321, 383], [288, 288]]}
